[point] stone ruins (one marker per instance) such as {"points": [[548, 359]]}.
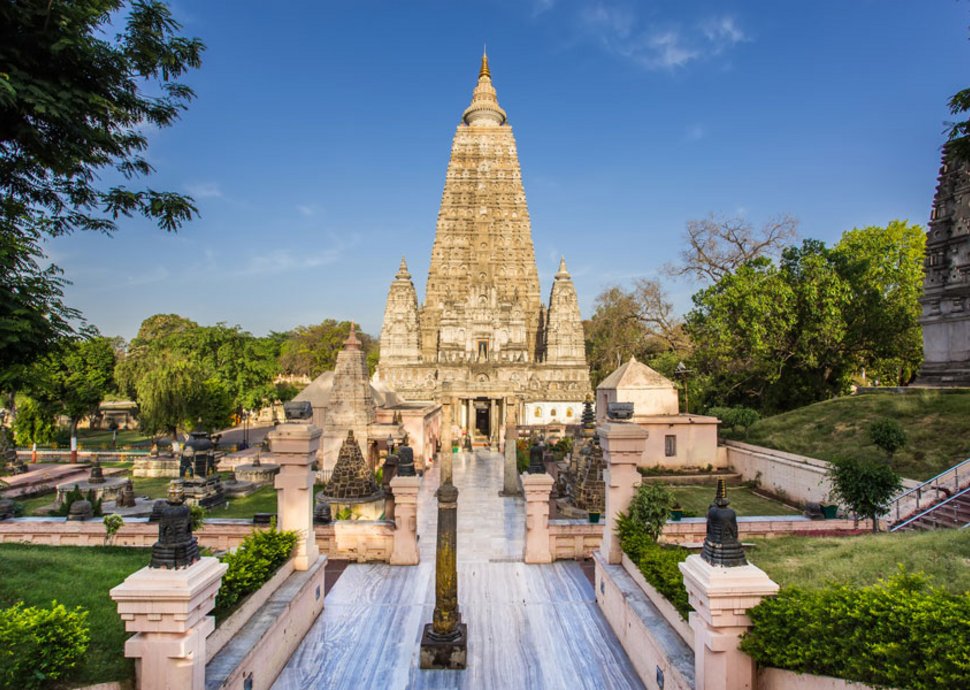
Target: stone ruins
{"points": [[946, 286]]}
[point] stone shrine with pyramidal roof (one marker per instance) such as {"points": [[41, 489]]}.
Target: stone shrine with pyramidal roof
{"points": [[484, 344]]}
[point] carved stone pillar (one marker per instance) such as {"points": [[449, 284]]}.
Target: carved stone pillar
{"points": [[405, 548], [623, 445], [721, 597], [537, 488], [294, 445], [444, 643], [168, 610]]}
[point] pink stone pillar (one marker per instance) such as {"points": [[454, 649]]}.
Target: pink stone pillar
{"points": [[721, 597], [294, 446], [167, 609], [405, 548], [623, 445], [537, 488]]}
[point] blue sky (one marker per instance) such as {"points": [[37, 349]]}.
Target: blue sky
{"points": [[317, 146]]}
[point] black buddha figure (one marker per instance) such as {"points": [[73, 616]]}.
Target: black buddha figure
{"points": [[537, 453], [176, 547], [721, 545], [405, 459]]}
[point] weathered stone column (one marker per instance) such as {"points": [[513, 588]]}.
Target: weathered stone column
{"points": [[623, 445], [537, 488], [405, 548], [510, 486], [294, 446], [444, 643]]}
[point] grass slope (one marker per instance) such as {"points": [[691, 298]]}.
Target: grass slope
{"points": [[937, 425], [76, 576], [944, 555], [697, 499]]}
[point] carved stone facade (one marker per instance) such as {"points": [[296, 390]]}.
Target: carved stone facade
{"points": [[946, 286], [483, 341]]}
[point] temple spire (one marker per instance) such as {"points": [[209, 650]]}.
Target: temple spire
{"points": [[352, 343], [484, 110], [402, 270], [563, 272]]}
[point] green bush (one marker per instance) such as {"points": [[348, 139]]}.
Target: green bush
{"points": [[522, 454], [658, 563], [739, 418], [887, 434], [899, 632], [76, 494], [651, 506], [866, 486], [252, 564], [39, 646]]}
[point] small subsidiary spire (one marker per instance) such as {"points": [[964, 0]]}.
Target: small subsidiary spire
{"points": [[562, 273], [483, 72], [402, 271]]}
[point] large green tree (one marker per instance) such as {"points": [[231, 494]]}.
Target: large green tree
{"points": [[80, 81], [182, 374], [638, 322], [778, 336], [312, 350]]}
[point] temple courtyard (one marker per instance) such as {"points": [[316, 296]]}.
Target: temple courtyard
{"points": [[528, 625]]}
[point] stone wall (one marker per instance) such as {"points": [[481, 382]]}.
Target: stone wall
{"points": [[356, 540], [799, 478], [573, 539], [692, 530]]}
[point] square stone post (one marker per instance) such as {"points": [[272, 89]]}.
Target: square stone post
{"points": [[537, 488], [721, 597], [623, 445], [294, 446], [168, 610], [405, 548]]}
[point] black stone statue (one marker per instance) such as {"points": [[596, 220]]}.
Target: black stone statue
{"points": [[721, 545], [405, 460], [537, 453], [176, 547]]}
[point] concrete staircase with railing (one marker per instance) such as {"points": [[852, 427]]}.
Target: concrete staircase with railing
{"points": [[938, 503]]}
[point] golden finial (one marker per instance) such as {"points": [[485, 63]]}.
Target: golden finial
{"points": [[483, 72]]}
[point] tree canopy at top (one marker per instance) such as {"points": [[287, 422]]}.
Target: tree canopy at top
{"points": [[75, 98]]}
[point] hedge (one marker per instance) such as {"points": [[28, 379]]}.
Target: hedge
{"points": [[252, 564], [659, 564], [39, 646], [899, 632]]}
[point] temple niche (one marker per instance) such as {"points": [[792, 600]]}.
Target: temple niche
{"points": [[946, 285], [483, 344]]}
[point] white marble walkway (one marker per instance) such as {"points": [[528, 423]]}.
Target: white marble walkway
{"points": [[529, 626]]}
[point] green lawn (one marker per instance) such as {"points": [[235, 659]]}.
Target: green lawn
{"points": [[937, 424], [696, 499], [76, 576], [101, 437], [263, 501], [944, 555]]}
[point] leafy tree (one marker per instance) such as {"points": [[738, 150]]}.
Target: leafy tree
{"points": [[650, 508], [312, 350], [74, 379], [33, 423], [74, 99], [717, 247], [782, 336], [865, 486], [639, 322], [183, 374], [888, 434]]}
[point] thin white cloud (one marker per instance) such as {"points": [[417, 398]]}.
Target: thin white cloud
{"points": [[653, 43], [204, 190], [723, 32], [286, 260], [542, 6], [307, 210]]}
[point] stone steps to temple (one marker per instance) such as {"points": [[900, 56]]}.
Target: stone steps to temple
{"points": [[953, 515]]}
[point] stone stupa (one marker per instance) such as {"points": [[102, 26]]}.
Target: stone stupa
{"points": [[352, 483]]}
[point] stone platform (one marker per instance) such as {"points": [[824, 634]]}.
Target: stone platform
{"points": [[529, 626]]}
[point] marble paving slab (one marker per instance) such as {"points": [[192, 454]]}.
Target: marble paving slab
{"points": [[529, 626]]}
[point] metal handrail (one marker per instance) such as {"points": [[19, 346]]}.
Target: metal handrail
{"points": [[931, 509], [930, 484]]}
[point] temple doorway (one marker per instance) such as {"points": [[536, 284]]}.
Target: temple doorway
{"points": [[483, 425]]}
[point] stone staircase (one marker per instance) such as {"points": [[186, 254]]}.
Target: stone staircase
{"points": [[940, 502], [950, 513]]}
